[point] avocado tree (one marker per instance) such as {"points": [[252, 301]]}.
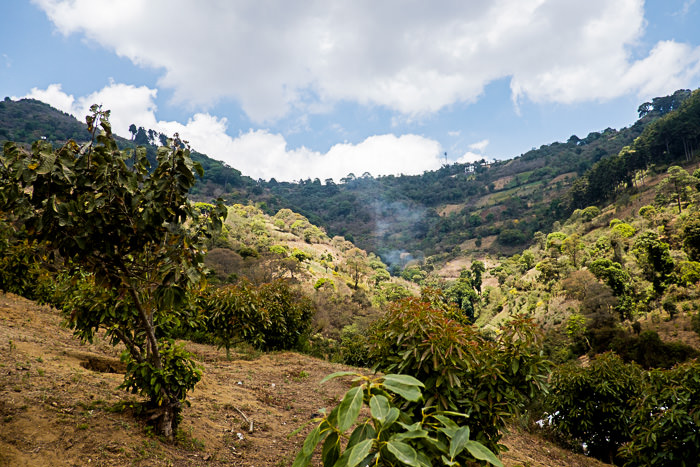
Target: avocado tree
{"points": [[136, 239]]}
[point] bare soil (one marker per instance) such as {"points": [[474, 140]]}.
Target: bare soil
{"points": [[60, 406]]}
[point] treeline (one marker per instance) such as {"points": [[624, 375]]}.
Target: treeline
{"points": [[671, 138], [404, 213], [28, 120]]}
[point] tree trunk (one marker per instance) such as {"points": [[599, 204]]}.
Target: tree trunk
{"points": [[166, 419]]}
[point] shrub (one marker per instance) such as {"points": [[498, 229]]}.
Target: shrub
{"points": [[269, 317], [489, 380], [391, 434], [354, 348], [19, 266], [590, 213], [647, 212], [590, 404], [649, 351], [664, 424], [624, 230]]}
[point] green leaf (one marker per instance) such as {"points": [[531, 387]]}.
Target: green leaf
{"points": [[354, 456], [349, 408], [405, 380], [415, 434], [391, 417], [331, 450], [361, 433], [481, 452], [408, 392], [459, 441], [403, 452], [304, 456], [379, 406], [338, 374]]}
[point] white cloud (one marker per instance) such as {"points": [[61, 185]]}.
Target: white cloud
{"points": [[257, 153], [414, 58], [53, 95], [128, 104], [479, 145], [471, 156]]}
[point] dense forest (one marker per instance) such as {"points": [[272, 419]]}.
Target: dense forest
{"points": [[558, 289]]}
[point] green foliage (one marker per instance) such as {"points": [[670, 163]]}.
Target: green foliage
{"points": [[489, 380], [590, 213], [590, 404], [391, 291], [611, 273], [270, 317], [624, 230], [695, 323], [649, 351], [654, 258], [576, 328], [554, 241], [324, 282], [678, 186], [463, 294], [511, 237], [353, 348], [647, 211], [300, 255], [176, 376], [131, 229], [20, 266], [690, 233], [390, 434], [665, 419]]}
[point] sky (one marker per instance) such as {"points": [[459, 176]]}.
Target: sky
{"points": [[322, 89]]}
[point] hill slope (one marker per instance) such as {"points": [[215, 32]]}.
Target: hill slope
{"points": [[57, 412]]}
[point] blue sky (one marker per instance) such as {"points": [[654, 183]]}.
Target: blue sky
{"points": [[320, 89]]}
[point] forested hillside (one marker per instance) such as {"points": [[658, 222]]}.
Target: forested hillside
{"points": [[433, 213], [484, 206]]}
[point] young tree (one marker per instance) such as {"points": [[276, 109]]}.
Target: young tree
{"points": [[654, 257], [134, 235], [356, 265], [678, 185]]}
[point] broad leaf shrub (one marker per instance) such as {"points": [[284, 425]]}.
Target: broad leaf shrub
{"points": [[491, 380], [19, 264], [628, 416], [272, 316], [590, 405], [391, 434], [665, 419]]}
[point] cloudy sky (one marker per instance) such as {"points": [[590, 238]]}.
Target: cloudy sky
{"points": [[310, 89]]}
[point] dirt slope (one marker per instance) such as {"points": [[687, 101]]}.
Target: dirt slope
{"points": [[56, 409]]}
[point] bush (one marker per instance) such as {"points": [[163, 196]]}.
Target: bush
{"points": [[269, 317], [489, 380], [391, 434], [649, 351], [664, 423], [590, 213], [590, 404], [625, 414], [354, 347], [19, 266]]}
